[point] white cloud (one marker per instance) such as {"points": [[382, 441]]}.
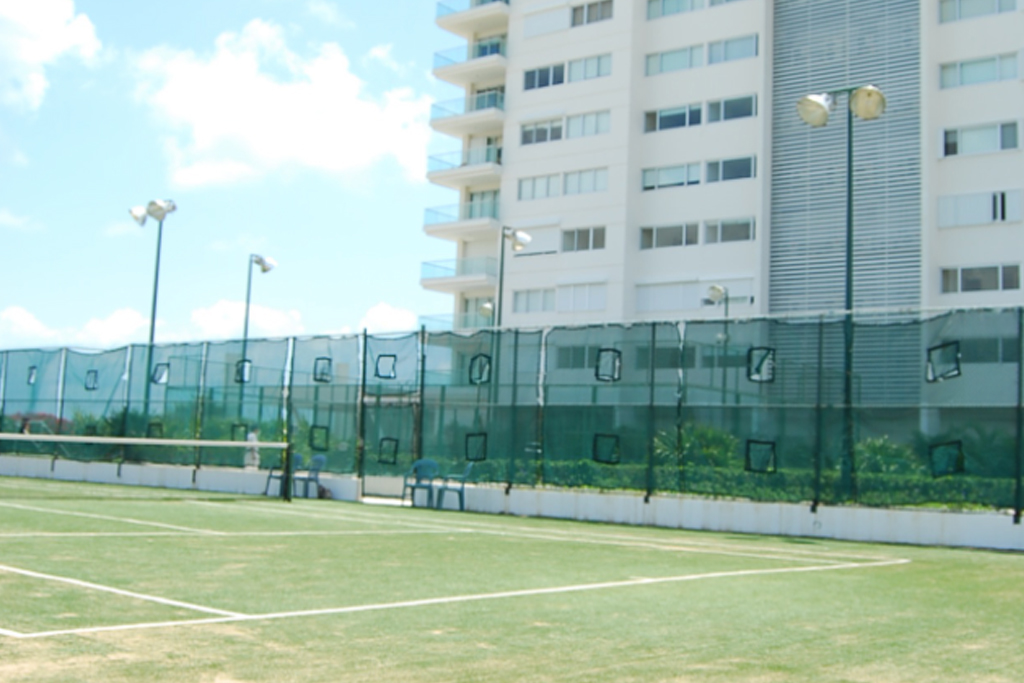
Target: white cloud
{"points": [[328, 13], [9, 220], [19, 328], [254, 106], [387, 318], [224, 320], [19, 158], [382, 54], [33, 35]]}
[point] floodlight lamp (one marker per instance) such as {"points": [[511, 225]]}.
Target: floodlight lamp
{"points": [[486, 309], [518, 238], [815, 109], [265, 263], [159, 208], [717, 293], [867, 102], [138, 213]]}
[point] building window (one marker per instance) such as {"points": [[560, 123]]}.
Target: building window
{"points": [[735, 108], [591, 67], [976, 71], [585, 182], [668, 296], [542, 131], [588, 297], [980, 139], [980, 279], [663, 8], [686, 58], [741, 230], [714, 3], [481, 205], [540, 187], [533, 301], [544, 76], [671, 176], [731, 169], [957, 10], [576, 357], [595, 123], [732, 49], [672, 118], [583, 239], [989, 350], [591, 12], [980, 208], [669, 236]]}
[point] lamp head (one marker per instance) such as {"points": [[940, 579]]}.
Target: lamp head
{"points": [[139, 214], [518, 238], [717, 293], [159, 208], [867, 102], [815, 109], [265, 263], [486, 309]]}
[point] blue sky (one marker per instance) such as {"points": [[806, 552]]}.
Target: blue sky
{"points": [[296, 129]]}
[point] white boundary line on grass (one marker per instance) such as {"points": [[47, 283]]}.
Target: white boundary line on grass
{"points": [[224, 534], [11, 634], [110, 518], [529, 592], [118, 591]]}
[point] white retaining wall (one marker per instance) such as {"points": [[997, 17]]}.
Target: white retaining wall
{"points": [[994, 530]]}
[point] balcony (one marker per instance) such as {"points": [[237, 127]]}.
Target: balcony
{"points": [[456, 275], [468, 17], [467, 168], [479, 114], [461, 321], [470, 221], [481, 63]]}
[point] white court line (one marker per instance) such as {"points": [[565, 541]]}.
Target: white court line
{"points": [[118, 591], [11, 634], [461, 598], [224, 534], [592, 539], [110, 518]]}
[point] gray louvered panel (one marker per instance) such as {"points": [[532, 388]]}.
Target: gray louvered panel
{"points": [[823, 44]]}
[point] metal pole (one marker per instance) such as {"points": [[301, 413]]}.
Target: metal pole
{"points": [[725, 352], [819, 415], [501, 280], [243, 369], [152, 320], [361, 418], [849, 469], [1019, 497], [515, 411], [650, 413]]}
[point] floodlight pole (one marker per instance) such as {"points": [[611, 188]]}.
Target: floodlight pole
{"points": [[152, 321], [242, 375], [501, 277]]}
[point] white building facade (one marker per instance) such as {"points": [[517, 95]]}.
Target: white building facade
{"points": [[652, 149]]}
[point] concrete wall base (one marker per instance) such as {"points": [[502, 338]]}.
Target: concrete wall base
{"points": [[994, 530]]}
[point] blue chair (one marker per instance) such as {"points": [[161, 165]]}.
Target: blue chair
{"points": [[312, 476], [455, 483], [277, 473], [421, 477]]}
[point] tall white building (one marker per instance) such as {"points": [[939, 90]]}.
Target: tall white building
{"points": [[651, 148]]}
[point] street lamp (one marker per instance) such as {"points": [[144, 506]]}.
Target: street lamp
{"points": [[157, 210], [868, 103], [720, 294], [519, 240], [266, 264]]}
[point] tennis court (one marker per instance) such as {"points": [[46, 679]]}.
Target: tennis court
{"points": [[115, 583]]}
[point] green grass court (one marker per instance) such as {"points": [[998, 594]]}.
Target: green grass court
{"points": [[105, 583]]}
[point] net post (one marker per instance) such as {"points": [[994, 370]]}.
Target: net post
{"points": [[361, 417], [1019, 464], [819, 416], [514, 410]]}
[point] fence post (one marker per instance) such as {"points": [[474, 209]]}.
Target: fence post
{"points": [[819, 416], [650, 414], [361, 417], [422, 383], [289, 414], [200, 413], [514, 410], [4, 358], [1019, 493], [61, 386]]}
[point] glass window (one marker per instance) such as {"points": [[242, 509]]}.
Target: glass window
{"points": [[650, 178], [530, 80], [1008, 136], [979, 279], [691, 233], [737, 108], [576, 70], [646, 238], [950, 280], [951, 145], [714, 171], [979, 71], [597, 238], [671, 236], [733, 169], [978, 140], [558, 74], [672, 118], [1011, 277], [737, 231]]}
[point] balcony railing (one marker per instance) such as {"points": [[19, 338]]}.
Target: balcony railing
{"points": [[482, 265], [466, 53], [460, 212], [465, 105], [452, 6], [447, 322], [466, 157]]}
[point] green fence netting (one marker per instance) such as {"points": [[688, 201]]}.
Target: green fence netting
{"points": [[881, 409]]}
